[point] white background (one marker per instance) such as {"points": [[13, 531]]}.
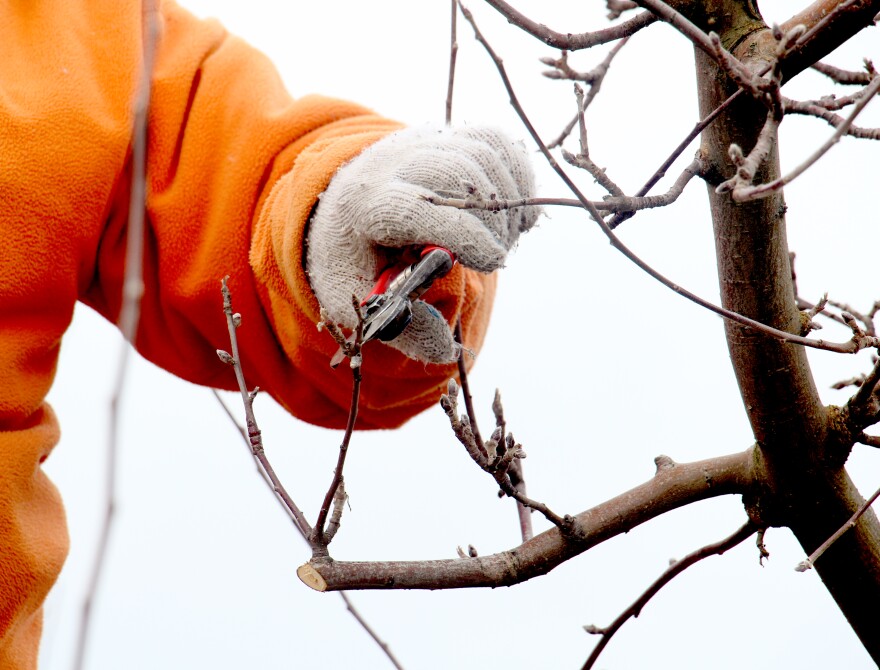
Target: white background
{"points": [[601, 370]]}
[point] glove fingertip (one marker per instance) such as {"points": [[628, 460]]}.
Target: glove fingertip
{"points": [[483, 257], [428, 338]]}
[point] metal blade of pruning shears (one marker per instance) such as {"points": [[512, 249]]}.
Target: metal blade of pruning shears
{"points": [[388, 306]]}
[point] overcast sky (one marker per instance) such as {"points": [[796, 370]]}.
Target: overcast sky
{"points": [[601, 369]]}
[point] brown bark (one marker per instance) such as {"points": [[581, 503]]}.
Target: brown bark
{"points": [[830, 23], [801, 452]]}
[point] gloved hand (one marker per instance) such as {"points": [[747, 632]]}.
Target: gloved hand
{"points": [[376, 204]]}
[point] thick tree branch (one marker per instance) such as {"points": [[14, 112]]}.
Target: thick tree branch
{"points": [[829, 24], [673, 486]]}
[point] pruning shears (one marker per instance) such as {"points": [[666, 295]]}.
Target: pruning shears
{"points": [[387, 307]]}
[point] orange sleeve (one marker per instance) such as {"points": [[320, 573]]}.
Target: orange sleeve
{"points": [[235, 167]]}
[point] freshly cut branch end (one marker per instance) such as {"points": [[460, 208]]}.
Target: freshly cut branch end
{"points": [[311, 577]]}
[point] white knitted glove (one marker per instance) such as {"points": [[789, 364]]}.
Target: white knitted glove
{"points": [[376, 203]]}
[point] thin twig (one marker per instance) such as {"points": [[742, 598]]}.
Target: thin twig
{"points": [[565, 133], [852, 346], [846, 383], [267, 472], [609, 204], [518, 479], [712, 116], [596, 77], [254, 436], [453, 52], [495, 456], [834, 103], [808, 324], [583, 160], [567, 40], [734, 68], [660, 172], [582, 133], [495, 204], [228, 412], [129, 316], [803, 566], [748, 165], [330, 531], [835, 120], [562, 70], [382, 644], [618, 7], [868, 440], [564, 523], [243, 432], [668, 575], [339, 500], [867, 320], [846, 77], [767, 91], [466, 387], [622, 203], [599, 72], [763, 553], [515, 471], [815, 310], [868, 386], [319, 539]]}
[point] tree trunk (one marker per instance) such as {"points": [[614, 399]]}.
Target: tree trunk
{"points": [[800, 451]]}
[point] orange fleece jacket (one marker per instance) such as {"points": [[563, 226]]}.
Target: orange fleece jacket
{"points": [[234, 170]]}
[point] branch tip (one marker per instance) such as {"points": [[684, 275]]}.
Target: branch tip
{"points": [[803, 566], [763, 553]]}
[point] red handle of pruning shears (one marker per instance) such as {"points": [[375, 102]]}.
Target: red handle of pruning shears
{"points": [[393, 271], [388, 305]]}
